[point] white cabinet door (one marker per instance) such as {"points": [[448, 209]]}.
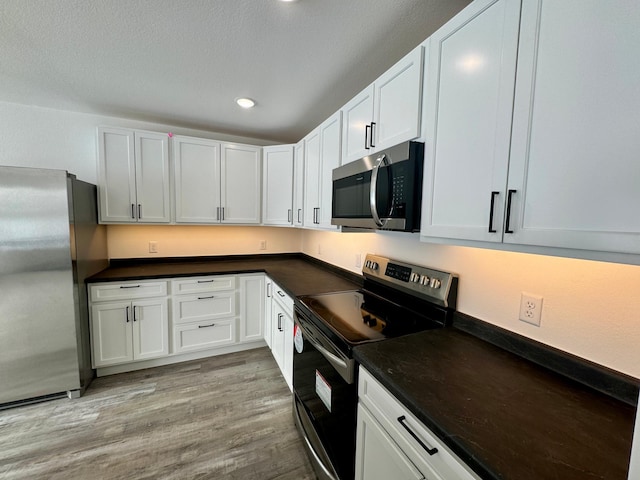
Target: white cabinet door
{"points": [[377, 455], [357, 116], [116, 175], [150, 328], [111, 333], [241, 183], [277, 199], [398, 94], [278, 334], [574, 165], [469, 93], [311, 178], [330, 150], [197, 180], [251, 308], [152, 177], [133, 176], [298, 184]]}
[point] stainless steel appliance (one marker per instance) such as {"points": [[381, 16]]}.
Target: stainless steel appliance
{"points": [[381, 191], [49, 243], [397, 298]]}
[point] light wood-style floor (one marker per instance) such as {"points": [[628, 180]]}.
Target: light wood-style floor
{"points": [[226, 417]]}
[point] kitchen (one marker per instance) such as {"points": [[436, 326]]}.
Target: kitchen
{"points": [[588, 307]]}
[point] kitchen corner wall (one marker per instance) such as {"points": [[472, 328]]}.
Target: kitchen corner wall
{"points": [[590, 309]]}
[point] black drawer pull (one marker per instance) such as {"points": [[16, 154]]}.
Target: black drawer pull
{"points": [[207, 326], [507, 228], [205, 298], [430, 451], [281, 293], [491, 208], [205, 281], [129, 286]]}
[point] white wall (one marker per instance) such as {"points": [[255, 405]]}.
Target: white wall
{"points": [[46, 138], [590, 309], [132, 241]]}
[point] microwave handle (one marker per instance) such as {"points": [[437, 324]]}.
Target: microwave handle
{"points": [[373, 191]]}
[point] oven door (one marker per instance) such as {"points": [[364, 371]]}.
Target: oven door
{"points": [[325, 401]]}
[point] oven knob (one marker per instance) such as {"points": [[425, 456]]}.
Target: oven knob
{"points": [[435, 283], [374, 266], [415, 277], [424, 280]]}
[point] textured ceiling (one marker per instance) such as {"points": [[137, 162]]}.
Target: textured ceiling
{"points": [[183, 62]]}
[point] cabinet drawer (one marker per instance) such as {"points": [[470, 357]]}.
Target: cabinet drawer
{"points": [[126, 290], [215, 283], [205, 306], [388, 411], [285, 301], [202, 335]]}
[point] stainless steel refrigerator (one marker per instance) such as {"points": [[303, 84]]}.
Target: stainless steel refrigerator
{"points": [[50, 243]]}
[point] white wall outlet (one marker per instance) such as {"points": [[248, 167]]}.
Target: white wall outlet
{"points": [[153, 246], [263, 244], [358, 260], [531, 308]]}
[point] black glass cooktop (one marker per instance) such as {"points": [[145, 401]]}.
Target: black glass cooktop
{"points": [[360, 316]]}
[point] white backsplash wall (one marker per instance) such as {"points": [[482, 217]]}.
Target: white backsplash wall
{"points": [[590, 309], [132, 241], [47, 138]]}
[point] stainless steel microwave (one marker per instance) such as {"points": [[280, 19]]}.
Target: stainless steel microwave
{"points": [[381, 191]]}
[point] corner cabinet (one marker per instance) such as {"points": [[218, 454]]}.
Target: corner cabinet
{"points": [[133, 176], [392, 443], [529, 126], [387, 112], [322, 153], [216, 182], [277, 199], [129, 322]]}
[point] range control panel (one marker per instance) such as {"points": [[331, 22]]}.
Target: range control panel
{"points": [[435, 285]]}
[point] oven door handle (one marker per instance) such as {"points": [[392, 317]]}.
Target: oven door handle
{"points": [[331, 358], [373, 192]]}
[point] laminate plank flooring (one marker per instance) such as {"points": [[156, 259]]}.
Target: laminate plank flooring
{"points": [[225, 417]]}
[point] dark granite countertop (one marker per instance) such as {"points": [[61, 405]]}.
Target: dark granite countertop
{"points": [[503, 415], [297, 274]]}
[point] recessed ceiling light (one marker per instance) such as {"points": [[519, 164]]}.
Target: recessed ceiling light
{"points": [[245, 102]]}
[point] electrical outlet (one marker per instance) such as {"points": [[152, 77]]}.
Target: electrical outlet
{"points": [[263, 244], [153, 246], [530, 308]]}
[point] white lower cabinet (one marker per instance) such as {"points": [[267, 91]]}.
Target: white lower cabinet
{"points": [[131, 329], [281, 327], [174, 320], [392, 443]]}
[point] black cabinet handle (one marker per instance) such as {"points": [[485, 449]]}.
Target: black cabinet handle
{"points": [[507, 228], [493, 203], [207, 326], [299, 211], [366, 136], [205, 281], [133, 211], [139, 211], [129, 286], [205, 298], [127, 314], [429, 450], [281, 293], [290, 216], [134, 313], [280, 322], [373, 124]]}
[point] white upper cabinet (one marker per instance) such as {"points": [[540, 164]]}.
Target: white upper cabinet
{"points": [[322, 154], [197, 180], [298, 184], [216, 182], [241, 183], [575, 169], [542, 153], [277, 199], [133, 171], [387, 112], [469, 90]]}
